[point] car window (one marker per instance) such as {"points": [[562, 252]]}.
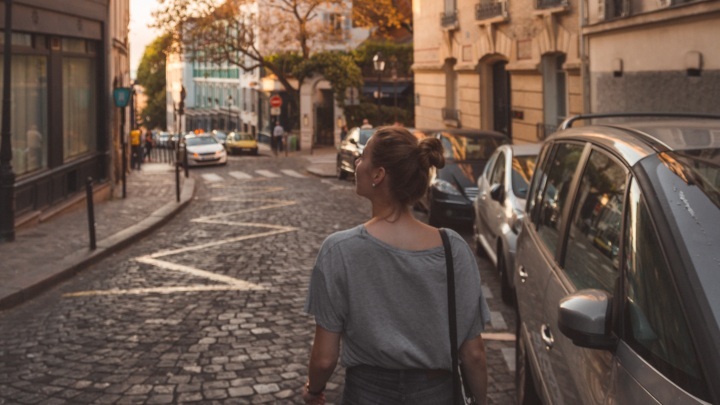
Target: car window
{"points": [[364, 135], [462, 147], [498, 175], [201, 140], [522, 171], [539, 177], [655, 324], [593, 247], [559, 176]]}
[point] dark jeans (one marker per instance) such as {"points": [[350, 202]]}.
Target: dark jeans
{"points": [[366, 385]]}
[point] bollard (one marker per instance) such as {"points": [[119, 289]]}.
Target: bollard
{"points": [[177, 181], [91, 212], [185, 161]]}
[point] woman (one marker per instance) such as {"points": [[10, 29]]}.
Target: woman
{"points": [[148, 144], [381, 287]]}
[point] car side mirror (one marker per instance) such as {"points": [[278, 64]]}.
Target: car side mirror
{"points": [[584, 317], [497, 193]]}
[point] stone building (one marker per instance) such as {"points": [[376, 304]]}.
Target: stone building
{"points": [[520, 67]]}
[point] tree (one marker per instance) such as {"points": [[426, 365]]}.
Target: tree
{"points": [[151, 75], [278, 36], [385, 16]]}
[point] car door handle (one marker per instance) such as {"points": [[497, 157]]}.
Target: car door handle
{"points": [[522, 273], [546, 335]]}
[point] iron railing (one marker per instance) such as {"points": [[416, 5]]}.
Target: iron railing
{"points": [[449, 19], [452, 114], [540, 4], [490, 9]]}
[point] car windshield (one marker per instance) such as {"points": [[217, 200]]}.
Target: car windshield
{"points": [[462, 147], [200, 140], [220, 135], [243, 137], [522, 171], [365, 134]]}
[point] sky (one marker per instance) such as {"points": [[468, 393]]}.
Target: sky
{"points": [[140, 34]]}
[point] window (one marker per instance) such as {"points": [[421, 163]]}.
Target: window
{"points": [[522, 171], [593, 247], [538, 181], [29, 112], [79, 106], [554, 91], [654, 320], [498, 175], [559, 176]]}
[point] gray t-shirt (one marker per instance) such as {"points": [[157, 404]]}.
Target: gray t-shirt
{"points": [[391, 304]]}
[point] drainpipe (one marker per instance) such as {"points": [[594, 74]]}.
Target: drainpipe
{"points": [[585, 59]]}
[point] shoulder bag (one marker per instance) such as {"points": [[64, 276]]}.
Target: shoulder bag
{"points": [[461, 391]]}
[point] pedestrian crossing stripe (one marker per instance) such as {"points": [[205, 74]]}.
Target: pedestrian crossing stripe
{"points": [[240, 175], [267, 173], [293, 173], [211, 177]]}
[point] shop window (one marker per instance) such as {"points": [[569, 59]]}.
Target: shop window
{"points": [[79, 106]]}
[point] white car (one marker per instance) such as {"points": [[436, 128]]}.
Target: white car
{"points": [[204, 150]]}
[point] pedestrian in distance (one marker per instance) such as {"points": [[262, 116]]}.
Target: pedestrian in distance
{"points": [[148, 144], [380, 287], [343, 132], [278, 133], [135, 149], [366, 124]]}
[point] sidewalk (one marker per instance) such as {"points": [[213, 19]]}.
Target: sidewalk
{"points": [[59, 247]]}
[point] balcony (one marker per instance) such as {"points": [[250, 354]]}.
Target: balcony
{"points": [[449, 20], [451, 117], [485, 10], [545, 4]]}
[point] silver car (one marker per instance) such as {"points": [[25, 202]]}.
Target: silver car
{"points": [[617, 271], [500, 207]]}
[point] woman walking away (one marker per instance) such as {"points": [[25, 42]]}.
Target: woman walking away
{"points": [[381, 287], [148, 144]]}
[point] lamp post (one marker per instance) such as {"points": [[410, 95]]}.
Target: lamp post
{"points": [[379, 64], [7, 176], [229, 104], [393, 70]]}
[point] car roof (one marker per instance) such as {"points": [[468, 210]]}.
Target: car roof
{"points": [[465, 132], [635, 140], [525, 149]]}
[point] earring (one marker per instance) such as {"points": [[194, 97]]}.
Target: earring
{"points": [[373, 185]]}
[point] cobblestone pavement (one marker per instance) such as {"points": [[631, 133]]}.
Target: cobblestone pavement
{"points": [[208, 309]]}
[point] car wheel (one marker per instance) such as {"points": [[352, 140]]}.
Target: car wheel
{"points": [[341, 174], [524, 384], [505, 291]]}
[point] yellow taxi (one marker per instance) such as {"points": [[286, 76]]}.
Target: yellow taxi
{"points": [[238, 142]]}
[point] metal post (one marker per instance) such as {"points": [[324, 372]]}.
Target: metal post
{"points": [[177, 181], [124, 152], [90, 211], [394, 77], [379, 96], [7, 176], [185, 160]]}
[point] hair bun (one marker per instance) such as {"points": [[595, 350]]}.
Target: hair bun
{"points": [[431, 153]]}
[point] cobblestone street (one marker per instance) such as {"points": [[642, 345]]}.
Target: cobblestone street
{"points": [[207, 309]]}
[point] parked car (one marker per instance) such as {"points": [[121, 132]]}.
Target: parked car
{"points": [[220, 136], [204, 150], [454, 187], [162, 140], [350, 149], [500, 207], [617, 272], [238, 142]]}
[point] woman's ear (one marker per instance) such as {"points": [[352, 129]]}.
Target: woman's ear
{"points": [[379, 175]]}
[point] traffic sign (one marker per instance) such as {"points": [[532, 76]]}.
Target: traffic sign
{"points": [[274, 110], [275, 101]]}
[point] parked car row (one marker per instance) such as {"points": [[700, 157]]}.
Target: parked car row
{"points": [[605, 238]]}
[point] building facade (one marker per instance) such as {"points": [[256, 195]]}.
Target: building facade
{"points": [[520, 67], [65, 57]]}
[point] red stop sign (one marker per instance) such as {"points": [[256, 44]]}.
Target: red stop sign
{"points": [[275, 101]]}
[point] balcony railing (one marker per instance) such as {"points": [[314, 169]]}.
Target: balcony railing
{"points": [[550, 3], [449, 20], [489, 9]]}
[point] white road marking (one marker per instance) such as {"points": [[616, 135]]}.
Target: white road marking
{"points": [[211, 177], [198, 273], [293, 173], [497, 321], [240, 175], [267, 173], [509, 356]]}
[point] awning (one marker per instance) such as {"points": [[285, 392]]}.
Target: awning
{"points": [[388, 89]]}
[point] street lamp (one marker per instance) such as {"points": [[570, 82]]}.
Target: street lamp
{"points": [[393, 70], [7, 176], [379, 64]]}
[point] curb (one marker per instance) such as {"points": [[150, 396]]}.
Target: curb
{"points": [[40, 279]]}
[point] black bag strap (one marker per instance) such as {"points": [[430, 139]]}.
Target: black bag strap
{"points": [[452, 316]]}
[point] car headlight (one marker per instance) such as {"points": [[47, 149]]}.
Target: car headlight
{"points": [[220, 152], [446, 187]]}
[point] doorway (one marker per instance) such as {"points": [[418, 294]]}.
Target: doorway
{"points": [[324, 113], [501, 98]]}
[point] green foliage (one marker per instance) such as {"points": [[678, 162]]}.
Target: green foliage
{"points": [[384, 116], [402, 53], [151, 75]]}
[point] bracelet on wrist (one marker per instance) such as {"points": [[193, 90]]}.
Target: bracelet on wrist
{"points": [[318, 392]]}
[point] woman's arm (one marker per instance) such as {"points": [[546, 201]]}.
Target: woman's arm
{"points": [[474, 365], [323, 359]]}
